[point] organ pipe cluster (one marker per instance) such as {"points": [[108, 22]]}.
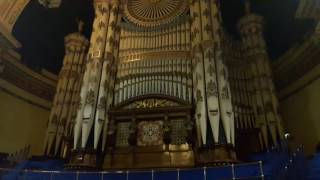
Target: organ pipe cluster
{"points": [[254, 97], [66, 100]]}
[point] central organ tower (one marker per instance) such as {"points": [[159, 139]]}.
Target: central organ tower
{"points": [[156, 88]]}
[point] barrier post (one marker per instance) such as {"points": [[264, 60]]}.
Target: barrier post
{"points": [[152, 174], [261, 170], [205, 173], [77, 175], [51, 175], [24, 174], [127, 175], [178, 174], [232, 170], [102, 175]]}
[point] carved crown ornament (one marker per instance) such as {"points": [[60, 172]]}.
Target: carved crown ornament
{"points": [[152, 101]]}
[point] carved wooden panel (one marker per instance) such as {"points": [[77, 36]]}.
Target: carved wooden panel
{"points": [[178, 131], [122, 134], [150, 133], [151, 103]]}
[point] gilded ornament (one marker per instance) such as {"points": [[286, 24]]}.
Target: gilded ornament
{"points": [[206, 13], [102, 103], [115, 10], [113, 25], [199, 95], [225, 92], [102, 9], [151, 103], [106, 85], [212, 89], [211, 69], [207, 28], [209, 54], [224, 73], [99, 40], [54, 120], [90, 97], [101, 25]]}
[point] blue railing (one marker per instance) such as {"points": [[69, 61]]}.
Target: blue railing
{"points": [[277, 166], [238, 171]]}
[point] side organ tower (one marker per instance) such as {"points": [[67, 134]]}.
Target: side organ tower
{"points": [[264, 101]]}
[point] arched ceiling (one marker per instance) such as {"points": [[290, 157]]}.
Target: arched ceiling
{"points": [[41, 30]]}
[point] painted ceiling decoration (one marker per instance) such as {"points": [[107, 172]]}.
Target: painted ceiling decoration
{"points": [[50, 3], [151, 13]]}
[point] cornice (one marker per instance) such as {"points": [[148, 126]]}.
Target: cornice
{"points": [[23, 82], [6, 39], [296, 63]]}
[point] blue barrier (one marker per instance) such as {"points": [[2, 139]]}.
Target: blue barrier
{"points": [[115, 176], [219, 173], [212, 173], [275, 167], [167, 175]]}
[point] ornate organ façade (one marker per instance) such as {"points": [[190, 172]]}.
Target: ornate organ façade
{"points": [[164, 86]]}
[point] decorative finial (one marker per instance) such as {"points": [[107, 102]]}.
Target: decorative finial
{"points": [[247, 7], [80, 25]]}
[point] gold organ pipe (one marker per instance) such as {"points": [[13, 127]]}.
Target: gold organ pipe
{"points": [[175, 40], [179, 35], [159, 40], [171, 38], [187, 44]]}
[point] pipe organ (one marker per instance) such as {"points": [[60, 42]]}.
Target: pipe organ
{"points": [[264, 101], [172, 37], [145, 74], [165, 86]]}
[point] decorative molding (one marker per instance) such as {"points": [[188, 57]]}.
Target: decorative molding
{"points": [[166, 101], [155, 55], [6, 39], [24, 79], [23, 95], [296, 63], [310, 77], [10, 10], [151, 103]]}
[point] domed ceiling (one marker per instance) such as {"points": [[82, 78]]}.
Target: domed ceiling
{"points": [[150, 13]]}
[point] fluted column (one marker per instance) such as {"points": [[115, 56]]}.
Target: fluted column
{"points": [[95, 87], [64, 103], [211, 86], [198, 73]]}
